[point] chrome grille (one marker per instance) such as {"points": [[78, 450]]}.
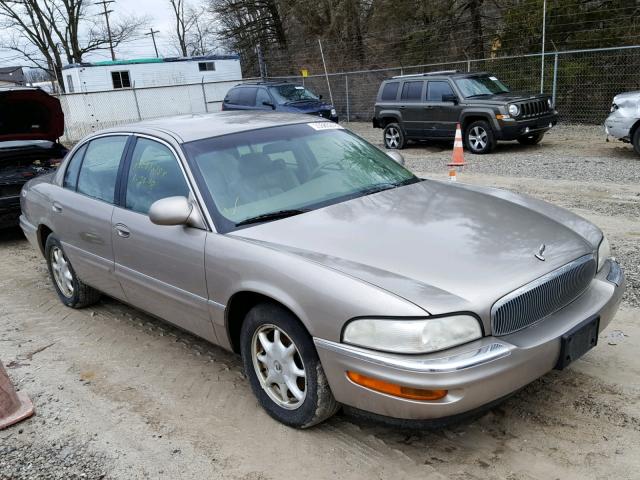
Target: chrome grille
{"points": [[542, 297]]}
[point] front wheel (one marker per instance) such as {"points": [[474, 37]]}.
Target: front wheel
{"points": [[394, 138], [532, 139], [283, 367], [478, 137], [636, 140]]}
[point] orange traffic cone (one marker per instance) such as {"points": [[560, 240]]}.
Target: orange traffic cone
{"points": [[14, 406], [458, 156]]}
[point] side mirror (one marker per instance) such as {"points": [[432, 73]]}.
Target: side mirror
{"points": [[396, 156], [170, 211], [269, 104], [450, 97]]}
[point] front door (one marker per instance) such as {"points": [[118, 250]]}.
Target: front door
{"points": [[83, 208], [444, 114], [161, 268]]}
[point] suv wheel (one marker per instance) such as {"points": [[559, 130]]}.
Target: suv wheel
{"points": [[70, 289], [636, 140], [283, 367], [534, 139], [394, 137], [478, 137]]}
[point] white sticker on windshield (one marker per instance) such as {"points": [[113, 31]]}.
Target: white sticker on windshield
{"points": [[299, 88], [493, 78], [325, 126]]}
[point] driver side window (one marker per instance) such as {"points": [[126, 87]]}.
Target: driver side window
{"points": [[154, 173]]}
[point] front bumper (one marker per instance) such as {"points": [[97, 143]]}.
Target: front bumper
{"points": [[514, 129], [619, 126], [474, 374]]}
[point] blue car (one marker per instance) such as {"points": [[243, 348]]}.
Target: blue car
{"points": [[279, 97]]}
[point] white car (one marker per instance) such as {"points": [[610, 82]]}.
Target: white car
{"points": [[624, 121]]}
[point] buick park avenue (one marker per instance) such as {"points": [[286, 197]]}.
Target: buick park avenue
{"points": [[339, 276]]}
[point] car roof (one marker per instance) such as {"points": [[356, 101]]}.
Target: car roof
{"points": [[265, 83], [187, 128]]}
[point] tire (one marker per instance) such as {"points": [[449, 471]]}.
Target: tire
{"points": [[313, 401], [393, 137], [70, 289], [479, 138], [636, 140], [532, 139]]}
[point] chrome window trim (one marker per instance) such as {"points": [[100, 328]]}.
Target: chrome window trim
{"points": [[547, 277]]}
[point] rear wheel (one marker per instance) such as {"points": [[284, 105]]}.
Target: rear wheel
{"points": [[70, 289], [636, 140], [478, 137], [394, 137], [532, 139], [283, 367]]}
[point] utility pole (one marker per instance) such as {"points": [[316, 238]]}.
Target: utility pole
{"points": [[261, 64], [106, 13], [544, 34], [153, 37]]}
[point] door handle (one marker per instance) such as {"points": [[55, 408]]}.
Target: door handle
{"points": [[122, 230], [56, 207], [402, 107]]}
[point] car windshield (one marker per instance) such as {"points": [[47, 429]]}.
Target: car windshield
{"points": [[292, 93], [266, 174], [481, 85]]}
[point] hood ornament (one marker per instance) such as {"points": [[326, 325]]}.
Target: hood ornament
{"points": [[541, 250]]}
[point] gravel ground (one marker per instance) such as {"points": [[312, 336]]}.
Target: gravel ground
{"points": [[121, 395]]}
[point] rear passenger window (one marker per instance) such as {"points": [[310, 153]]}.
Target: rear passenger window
{"points": [[390, 91], [73, 167], [154, 174], [436, 90], [246, 96], [99, 169], [411, 90]]}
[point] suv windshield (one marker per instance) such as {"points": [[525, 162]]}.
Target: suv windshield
{"points": [[292, 93], [480, 86], [266, 174]]}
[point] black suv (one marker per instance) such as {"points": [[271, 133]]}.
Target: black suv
{"points": [[279, 97], [428, 106]]}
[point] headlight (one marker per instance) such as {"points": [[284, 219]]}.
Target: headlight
{"points": [[604, 252], [334, 113], [514, 110], [614, 107], [549, 103], [413, 336]]}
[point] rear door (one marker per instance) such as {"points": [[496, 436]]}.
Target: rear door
{"points": [[411, 108], [161, 268], [443, 113], [83, 208]]}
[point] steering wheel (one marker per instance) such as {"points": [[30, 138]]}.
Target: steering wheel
{"points": [[322, 166]]}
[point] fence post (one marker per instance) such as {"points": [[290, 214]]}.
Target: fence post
{"points": [[468, 65], [555, 78], [204, 96], [346, 89], [135, 97]]}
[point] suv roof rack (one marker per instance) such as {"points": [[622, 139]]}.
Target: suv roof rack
{"points": [[426, 74], [264, 82]]}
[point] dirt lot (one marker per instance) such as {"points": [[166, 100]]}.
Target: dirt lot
{"points": [[122, 395]]}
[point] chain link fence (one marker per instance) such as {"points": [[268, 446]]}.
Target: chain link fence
{"points": [[583, 83]]}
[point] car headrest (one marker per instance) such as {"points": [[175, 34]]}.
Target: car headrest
{"points": [[277, 147], [253, 163]]}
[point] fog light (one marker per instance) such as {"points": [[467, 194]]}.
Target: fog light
{"points": [[526, 130], [395, 390]]}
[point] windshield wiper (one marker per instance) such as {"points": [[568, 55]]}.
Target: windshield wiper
{"points": [[480, 95], [381, 187], [265, 217]]}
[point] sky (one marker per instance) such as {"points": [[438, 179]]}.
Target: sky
{"points": [[160, 18]]}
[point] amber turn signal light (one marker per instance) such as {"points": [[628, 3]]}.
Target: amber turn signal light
{"points": [[395, 390]]}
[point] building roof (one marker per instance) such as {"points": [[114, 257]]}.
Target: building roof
{"points": [[12, 75], [188, 128], [134, 61]]}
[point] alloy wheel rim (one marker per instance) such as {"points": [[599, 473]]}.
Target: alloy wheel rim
{"points": [[478, 138], [392, 137], [61, 272], [278, 365]]}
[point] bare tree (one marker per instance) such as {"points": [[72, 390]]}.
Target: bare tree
{"points": [[47, 32], [183, 24]]}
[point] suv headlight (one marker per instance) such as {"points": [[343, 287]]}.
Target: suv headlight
{"points": [[549, 103], [514, 110], [614, 107], [604, 252], [412, 336], [334, 113]]}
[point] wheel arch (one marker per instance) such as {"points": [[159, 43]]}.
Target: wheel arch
{"points": [[469, 117], [240, 304], [385, 118], [42, 234], [633, 129]]}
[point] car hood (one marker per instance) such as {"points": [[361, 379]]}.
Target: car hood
{"points": [[306, 107], [445, 248], [29, 114], [512, 97], [627, 96]]}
